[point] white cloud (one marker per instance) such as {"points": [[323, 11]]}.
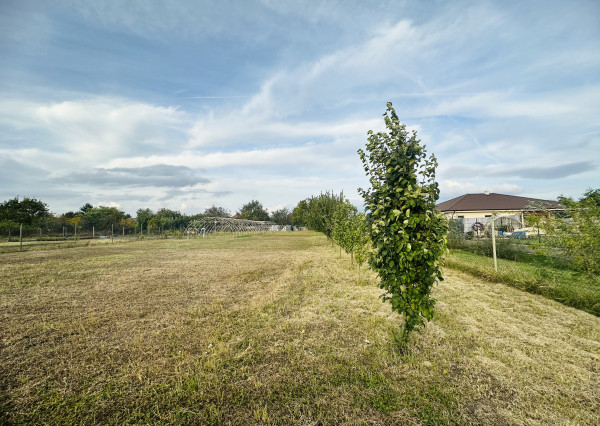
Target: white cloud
{"points": [[493, 104], [87, 132], [99, 129], [452, 188]]}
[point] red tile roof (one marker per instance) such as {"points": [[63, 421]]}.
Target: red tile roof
{"points": [[493, 202]]}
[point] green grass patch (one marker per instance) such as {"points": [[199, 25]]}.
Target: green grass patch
{"points": [[572, 288]]}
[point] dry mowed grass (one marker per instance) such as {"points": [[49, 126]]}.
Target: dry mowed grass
{"points": [[275, 329]]}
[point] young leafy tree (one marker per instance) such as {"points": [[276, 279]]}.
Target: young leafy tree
{"points": [[357, 237], [341, 222], [363, 242], [408, 235]]}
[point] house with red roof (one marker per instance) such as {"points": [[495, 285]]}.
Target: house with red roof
{"points": [[477, 209]]}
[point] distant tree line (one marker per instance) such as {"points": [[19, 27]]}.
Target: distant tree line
{"points": [[36, 218]]}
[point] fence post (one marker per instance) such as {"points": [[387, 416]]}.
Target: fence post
{"points": [[494, 246], [21, 237], [93, 232], [112, 233]]}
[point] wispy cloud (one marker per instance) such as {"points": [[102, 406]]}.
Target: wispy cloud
{"points": [[551, 172], [159, 175]]}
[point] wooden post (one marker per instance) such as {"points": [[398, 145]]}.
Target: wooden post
{"points": [[75, 232], [9, 235], [93, 232], [123, 231], [494, 246], [40, 233], [21, 237], [112, 233]]}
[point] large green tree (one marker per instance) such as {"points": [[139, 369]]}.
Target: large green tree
{"points": [[281, 217], [215, 211], [29, 211], [253, 211], [143, 216], [102, 217], [407, 234], [300, 213], [168, 219]]}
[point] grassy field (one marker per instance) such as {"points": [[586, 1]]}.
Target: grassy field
{"points": [[51, 244], [275, 329], [573, 288]]}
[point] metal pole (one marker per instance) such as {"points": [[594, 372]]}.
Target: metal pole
{"points": [[494, 246]]}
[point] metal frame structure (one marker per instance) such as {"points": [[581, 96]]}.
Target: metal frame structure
{"points": [[215, 225]]}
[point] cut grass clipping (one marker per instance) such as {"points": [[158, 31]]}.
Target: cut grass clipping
{"points": [[275, 329]]}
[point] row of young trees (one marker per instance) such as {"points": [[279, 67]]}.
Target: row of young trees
{"points": [[333, 215]]}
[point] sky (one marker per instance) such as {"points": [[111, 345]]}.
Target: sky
{"points": [[187, 104]]}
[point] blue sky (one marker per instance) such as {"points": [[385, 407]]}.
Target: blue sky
{"points": [[186, 104]]}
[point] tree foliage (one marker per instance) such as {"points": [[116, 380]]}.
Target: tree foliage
{"points": [[407, 233], [253, 211], [143, 217], [317, 213], [350, 231], [300, 213], [87, 206], [215, 211], [341, 224], [29, 211], [281, 217], [578, 235], [102, 218]]}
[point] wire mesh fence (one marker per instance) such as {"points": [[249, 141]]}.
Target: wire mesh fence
{"points": [[527, 259], [24, 238]]}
